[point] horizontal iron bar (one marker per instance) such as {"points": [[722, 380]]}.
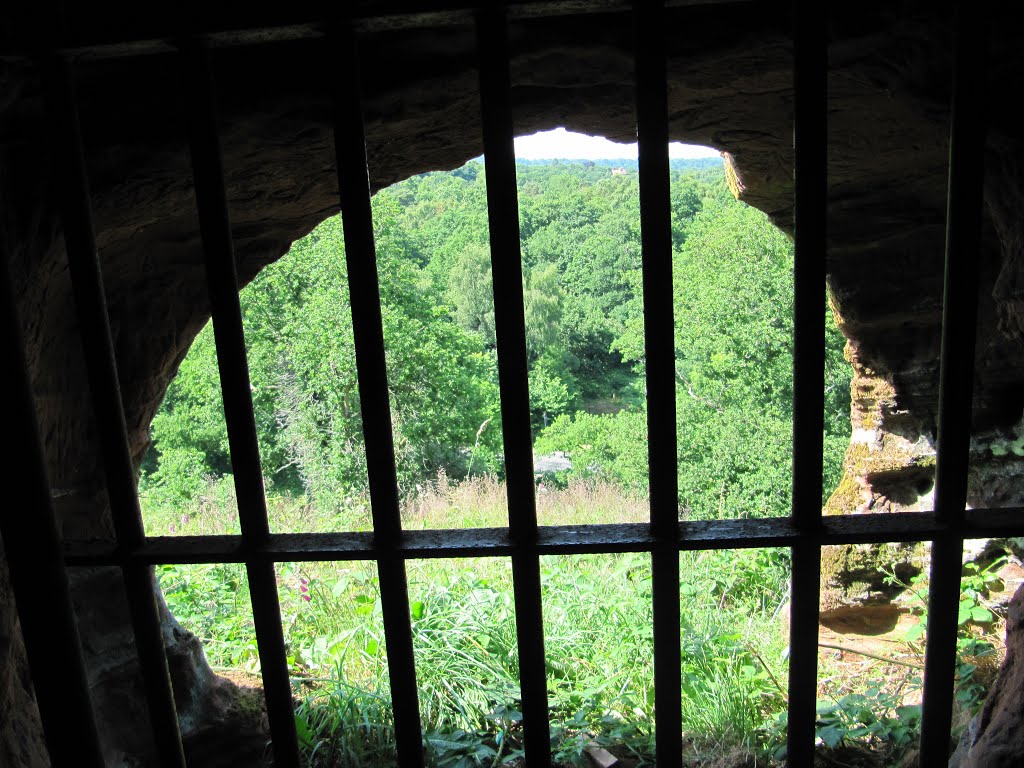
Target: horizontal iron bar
{"points": [[552, 539]]}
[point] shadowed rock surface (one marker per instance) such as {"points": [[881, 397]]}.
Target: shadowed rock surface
{"points": [[731, 88]]}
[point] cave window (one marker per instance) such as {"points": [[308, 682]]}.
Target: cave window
{"points": [[805, 531]]}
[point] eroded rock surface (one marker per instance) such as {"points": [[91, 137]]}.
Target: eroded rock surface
{"points": [[996, 738]]}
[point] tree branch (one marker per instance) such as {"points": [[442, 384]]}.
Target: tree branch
{"points": [[689, 390]]}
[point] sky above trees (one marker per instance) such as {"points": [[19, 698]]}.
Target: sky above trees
{"points": [[567, 145]]}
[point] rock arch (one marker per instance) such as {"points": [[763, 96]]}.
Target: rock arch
{"points": [[731, 89]]}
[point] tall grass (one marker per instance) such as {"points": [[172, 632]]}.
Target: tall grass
{"points": [[597, 621], [598, 639], [477, 502]]}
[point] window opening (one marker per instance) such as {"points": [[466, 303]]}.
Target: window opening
{"points": [[597, 637], [300, 333], [298, 325], [337, 652], [732, 274], [213, 602], [437, 297], [185, 481], [871, 649], [580, 230], [735, 644], [805, 533], [464, 637]]}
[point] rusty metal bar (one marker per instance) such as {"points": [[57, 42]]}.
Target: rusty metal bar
{"points": [[510, 330], [803, 651], [371, 368], [956, 373], [222, 285], [551, 540], [105, 391], [810, 65], [35, 562], [810, 87], [659, 354], [656, 241]]}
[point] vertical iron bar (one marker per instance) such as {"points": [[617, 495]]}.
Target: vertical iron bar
{"points": [[35, 562], [656, 241], [810, 86], [805, 576], [810, 65], [659, 352], [222, 285], [956, 372], [506, 258], [963, 240], [105, 390], [510, 330], [371, 369]]}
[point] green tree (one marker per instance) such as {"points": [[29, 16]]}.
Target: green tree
{"points": [[732, 280], [732, 274], [542, 308], [300, 344], [188, 436]]}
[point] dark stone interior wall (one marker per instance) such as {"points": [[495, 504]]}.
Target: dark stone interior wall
{"points": [[731, 89]]}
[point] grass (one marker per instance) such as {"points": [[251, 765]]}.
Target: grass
{"points": [[478, 502], [598, 639]]}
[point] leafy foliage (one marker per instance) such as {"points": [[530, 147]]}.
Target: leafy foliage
{"points": [[302, 361], [583, 309], [584, 332]]}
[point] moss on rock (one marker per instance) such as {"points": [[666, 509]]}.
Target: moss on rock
{"points": [[849, 496], [861, 574]]}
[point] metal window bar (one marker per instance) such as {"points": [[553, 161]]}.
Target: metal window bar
{"points": [[105, 391], [225, 307], [810, 67], [35, 562], [371, 368], [956, 372], [551, 540], [510, 332], [651, 87], [805, 531]]}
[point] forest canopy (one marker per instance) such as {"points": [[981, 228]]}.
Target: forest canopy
{"points": [[580, 230]]}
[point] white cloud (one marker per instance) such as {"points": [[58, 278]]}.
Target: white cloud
{"points": [[564, 145]]}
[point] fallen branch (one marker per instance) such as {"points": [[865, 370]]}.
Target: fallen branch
{"points": [[783, 691], [844, 649]]}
